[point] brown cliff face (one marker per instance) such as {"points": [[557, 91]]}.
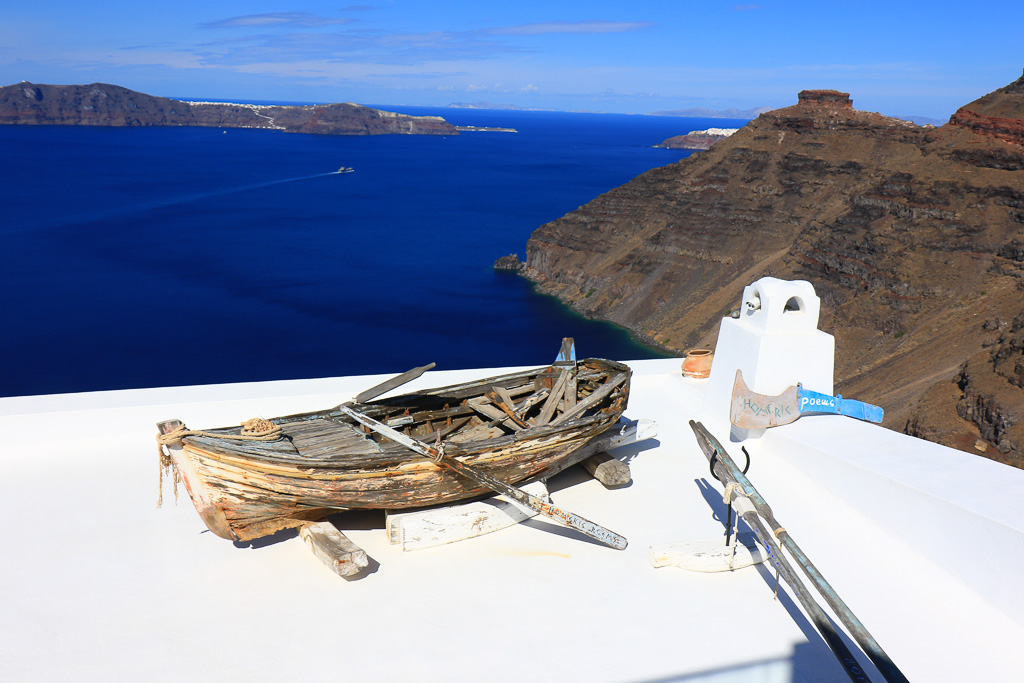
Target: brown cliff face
{"points": [[996, 115], [913, 238], [101, 104]]}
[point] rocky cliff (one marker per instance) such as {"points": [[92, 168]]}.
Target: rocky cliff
{"points": [[913, 238], [101, 104]]}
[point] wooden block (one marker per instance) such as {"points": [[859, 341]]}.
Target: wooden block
{"points": [[620, 435], [437, 526], [607, 470], [334, 548]]}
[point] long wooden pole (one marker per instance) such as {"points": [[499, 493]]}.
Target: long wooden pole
{"points": [[585, 526], [727, 471]]}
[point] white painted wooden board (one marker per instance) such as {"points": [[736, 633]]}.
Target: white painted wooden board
{"points": [[437, 526], [708, 555]]}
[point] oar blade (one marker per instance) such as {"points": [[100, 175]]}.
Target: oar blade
{"points": [[393, 383], [751, 410]]}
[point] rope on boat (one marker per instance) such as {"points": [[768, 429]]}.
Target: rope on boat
{"points": [[166, 465], [255, 429], [731, 489]]}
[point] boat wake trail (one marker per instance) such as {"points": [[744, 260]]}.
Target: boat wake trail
{"points": [[144, 207]]}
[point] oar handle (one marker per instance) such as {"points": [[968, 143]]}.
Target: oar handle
{"points": [[570, 519]]}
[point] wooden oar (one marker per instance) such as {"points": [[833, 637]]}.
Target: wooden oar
{"points": [[393, 383], [753, 509], [438, 455], [751, 410]]}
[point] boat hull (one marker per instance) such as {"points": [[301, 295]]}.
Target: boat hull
{"points": [[321, 463]]}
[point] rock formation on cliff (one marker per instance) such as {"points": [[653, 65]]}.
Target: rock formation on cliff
{"points": [[913, 238], [101, 104], [510, 262]]}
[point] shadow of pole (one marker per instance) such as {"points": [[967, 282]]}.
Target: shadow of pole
{"points": [[817, 658]]}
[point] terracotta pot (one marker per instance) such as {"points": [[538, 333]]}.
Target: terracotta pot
{"points": [[698, 363]]}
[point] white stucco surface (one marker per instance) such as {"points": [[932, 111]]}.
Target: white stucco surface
{"points": [[97, 584]]}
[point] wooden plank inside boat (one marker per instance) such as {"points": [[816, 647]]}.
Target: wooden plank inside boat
{"points": [[323, 437]]}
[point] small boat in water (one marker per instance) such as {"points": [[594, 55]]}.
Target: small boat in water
{"points": [[252, 480], [345, 169]]}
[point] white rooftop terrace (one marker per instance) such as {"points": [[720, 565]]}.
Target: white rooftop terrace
{"points": [[924, 543]]}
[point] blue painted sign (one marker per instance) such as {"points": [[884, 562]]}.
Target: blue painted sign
{"points": [[813, 402]]}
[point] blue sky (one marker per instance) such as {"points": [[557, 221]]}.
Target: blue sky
{"points": [[637, 57]]}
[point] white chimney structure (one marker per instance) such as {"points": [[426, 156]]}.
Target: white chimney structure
{"points": [[775, 341]]}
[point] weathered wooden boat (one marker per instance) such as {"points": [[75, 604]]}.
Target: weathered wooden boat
{"points": [[252, 480]]}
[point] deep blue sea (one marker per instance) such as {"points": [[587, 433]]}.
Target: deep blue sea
{"points": [[170, 256]]}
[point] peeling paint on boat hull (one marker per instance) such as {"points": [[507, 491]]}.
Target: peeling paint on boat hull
{"points": [[245, 491]]}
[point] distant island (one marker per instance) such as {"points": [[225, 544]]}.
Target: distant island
{"points": [[703, 113], [102, 104], [698, 139], [483, 105]]}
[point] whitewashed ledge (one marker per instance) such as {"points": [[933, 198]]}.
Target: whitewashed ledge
{"points": [[98, 585]]}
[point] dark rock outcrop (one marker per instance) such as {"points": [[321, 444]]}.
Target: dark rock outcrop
{"points": [[510, 262], [101, 104], [913, 237]]}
